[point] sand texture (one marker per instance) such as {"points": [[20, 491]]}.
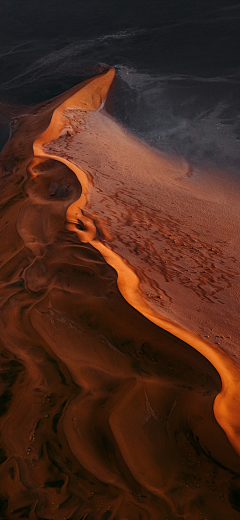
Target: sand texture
{"points": [[119, 322]]}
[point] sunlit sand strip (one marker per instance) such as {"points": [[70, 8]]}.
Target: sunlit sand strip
{"points": [[91, 96]]}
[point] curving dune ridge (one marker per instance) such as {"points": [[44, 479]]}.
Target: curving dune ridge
{"points": [[113, 405]]}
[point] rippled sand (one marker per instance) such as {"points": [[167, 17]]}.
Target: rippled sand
{"points": [[119, 324]]}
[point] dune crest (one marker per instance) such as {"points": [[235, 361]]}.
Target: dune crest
{"points": [[91, 98], [106, 410]]}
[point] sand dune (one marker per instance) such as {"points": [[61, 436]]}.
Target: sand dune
{"points": [[116, 263]]}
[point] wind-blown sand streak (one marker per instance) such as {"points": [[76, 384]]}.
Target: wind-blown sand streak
{"points": [[106, 411]]}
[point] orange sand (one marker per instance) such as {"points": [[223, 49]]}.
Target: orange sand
{"points": [[106, 410], [89, 98]]}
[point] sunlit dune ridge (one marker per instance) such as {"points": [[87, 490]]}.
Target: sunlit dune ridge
{"points": [[115, 263], [91, 98]]}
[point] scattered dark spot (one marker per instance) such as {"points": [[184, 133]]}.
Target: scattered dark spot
{"points": [[18, 283], [55, 422], [51, 453], [38, 424], [80, 225], [106, 445], [234, 498], [3, 504], [41, 453], [106, 515], [54, 483], [9, 376], [53, 188], [58, 191], [3, 456], [5, 399], [57, 417], [24, 510]]}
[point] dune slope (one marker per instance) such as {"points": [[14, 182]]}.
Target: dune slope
{"points": [[113, 405]]}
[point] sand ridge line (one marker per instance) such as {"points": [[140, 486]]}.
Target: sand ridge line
{"points": [[91, 97]]}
